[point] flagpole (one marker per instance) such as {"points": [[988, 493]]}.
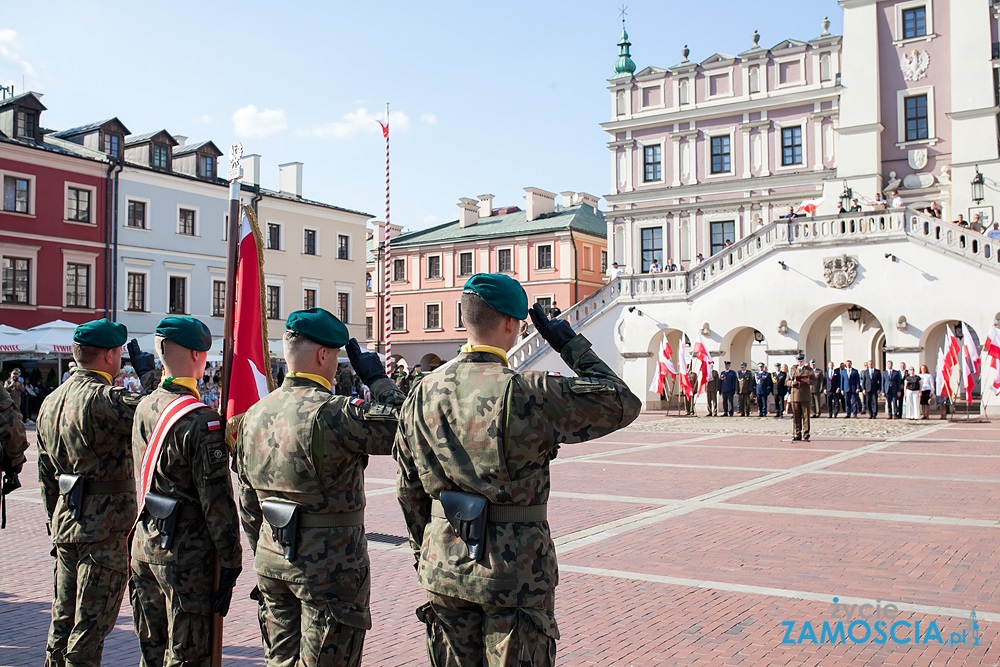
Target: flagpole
{"points": [[387, 314]]}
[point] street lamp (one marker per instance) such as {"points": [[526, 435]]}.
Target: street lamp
{"points": [[758, 336], [959, 334], [846, 196], [854, 313], [977, 187]]}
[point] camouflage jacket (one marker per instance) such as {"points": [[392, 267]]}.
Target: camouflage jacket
{"points": [[193, 468], [85, 428], [305, 445], [12, 437], [474, 425]]}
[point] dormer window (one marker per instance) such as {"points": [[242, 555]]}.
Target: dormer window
{"points": [[207, 166], [161, 157], [24, 127], [113, 145]]}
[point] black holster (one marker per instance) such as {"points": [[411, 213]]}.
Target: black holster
{"points": [[163, 509], [283, 517], [467, 512], [71, 488], [9, 482]]}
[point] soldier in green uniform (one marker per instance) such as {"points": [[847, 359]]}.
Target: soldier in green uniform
{"points": [[189, 513], [300, 454], [345, 381], [13, 442], [801, 378], [475, 439], [88, 487], [402, 380]]}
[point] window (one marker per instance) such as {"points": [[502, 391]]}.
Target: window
{"points": [[604, 261], [16, 279], [274, 302], [309, 241], [914, 22], [218, 298], [459, 322], [185, 223], [343, 247], [78, 205], [722, 231], [207, 166], [543, 254], [161, 156], [399, 270], [916, 118], [136, 288], [78, 285], [177, 297], [620, 103], [465, 264], [273, 236], [308, 298], [433, 320], [398, 318], [755, 79], [652, 247], [434, 266], [369, 328], [683, 91], [136, 214], [824, 67], [343, 307], [504, 263], [112, 145], [16, 191], [588, 258], [720, 155], [368, 282], [25, 125], [651, 163], [791, 145]]}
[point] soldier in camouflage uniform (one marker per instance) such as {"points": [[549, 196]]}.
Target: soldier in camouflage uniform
{"points": [[345, 381], [13, 442], [85, 429], [171, 590], [304, 445], [475, 426]]}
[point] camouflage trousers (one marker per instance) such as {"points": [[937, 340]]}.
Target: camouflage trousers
{"points": [[86, 598], [462, 633], [172, 613], [301, 627]]}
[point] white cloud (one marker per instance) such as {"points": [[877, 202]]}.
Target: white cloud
{"points": [[205, 119], [254, 124], [359, 120], [428, 118], [429, 219], [9, 51]]}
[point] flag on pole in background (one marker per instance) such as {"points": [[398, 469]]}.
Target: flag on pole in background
{"points": [[991, 348], [664, 367], [939, 380], [682, 370], [809, 205], [952, 356], [701, 353], [970, 361], [383, 120], [250, 379]]}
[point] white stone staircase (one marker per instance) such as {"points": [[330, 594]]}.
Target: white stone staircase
{"points": [[782, 235]]}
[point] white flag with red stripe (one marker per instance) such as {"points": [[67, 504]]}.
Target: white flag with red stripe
{"points": [[682, 370], [952, 356], [970, 361], [943, 389], [664, 367], [991, 348], [810, 205], [702, 355]]}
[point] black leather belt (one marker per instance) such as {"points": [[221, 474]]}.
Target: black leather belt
{"points": [[331, 519], [504, 513], [104, 488]]}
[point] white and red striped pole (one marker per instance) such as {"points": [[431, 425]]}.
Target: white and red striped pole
{"points": [[387, 315]]}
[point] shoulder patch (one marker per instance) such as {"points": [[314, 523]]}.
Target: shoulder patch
{"points": [[357, 401], [214, 425], [587, 385], [381, 412], [554, 374]]}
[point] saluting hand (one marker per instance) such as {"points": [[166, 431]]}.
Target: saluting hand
{"points": [[142, 362], [556, 332], [366, 364]]}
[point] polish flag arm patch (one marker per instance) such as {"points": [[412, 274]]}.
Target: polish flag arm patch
{"points": [[214, 425]]}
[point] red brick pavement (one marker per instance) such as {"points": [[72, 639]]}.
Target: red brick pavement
{"points": [[722, 580]]}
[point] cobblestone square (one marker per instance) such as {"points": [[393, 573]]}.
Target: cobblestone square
{"points": [[685, 541]]}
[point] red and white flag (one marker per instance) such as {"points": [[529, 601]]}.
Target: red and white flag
{"points": [[952, 356], [991, 348], [682, 370], [250, 379], [970, 361], [701, 354], [664, 367], [383, 120], [810, 205], [943, 388]]}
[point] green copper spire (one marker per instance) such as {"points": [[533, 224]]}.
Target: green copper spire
{"points": [[624, 67]]}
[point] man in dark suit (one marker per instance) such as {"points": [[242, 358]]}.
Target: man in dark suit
{"points": [[871, 385], [831, 385], [763, 383], [780, 386], [727, 385], [816, 385], [744, 387], [892, 387], [850, 381], [712, 393]]}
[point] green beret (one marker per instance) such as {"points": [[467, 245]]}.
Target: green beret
{"points": [[186, 332], [501, 292], [101, 333], [319, 326]]}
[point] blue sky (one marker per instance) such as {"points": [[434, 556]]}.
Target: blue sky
{"points": [[492, 97]]}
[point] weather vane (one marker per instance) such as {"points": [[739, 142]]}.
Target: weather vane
{"points": [[624, 13]]}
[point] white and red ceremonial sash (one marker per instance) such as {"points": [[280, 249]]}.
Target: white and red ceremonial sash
{"points": [[176, 409]]}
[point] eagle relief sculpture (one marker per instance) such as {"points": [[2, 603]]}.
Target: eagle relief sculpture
{"points": [[840, 272], [914, 64]]}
